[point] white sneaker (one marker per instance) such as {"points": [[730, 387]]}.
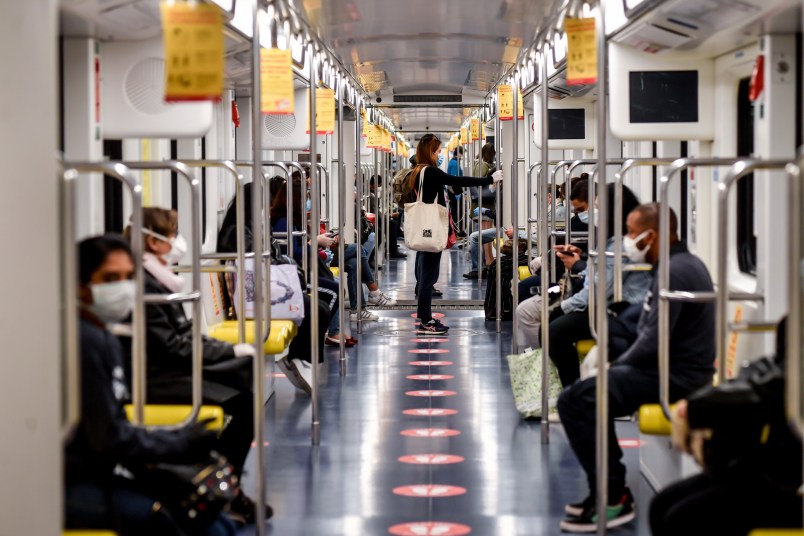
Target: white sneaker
{"points": [[381, 299], [298, 372], [364, 315]]}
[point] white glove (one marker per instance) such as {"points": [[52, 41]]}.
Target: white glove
{"points": [[325, 241], [243, 350], [535, 265], [497, 176]]}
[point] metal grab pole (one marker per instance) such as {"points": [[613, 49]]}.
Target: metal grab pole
{"points": [[724, 185], [515, 216], [240, 233], [259, 289], [497, 211], [341, 217], [545, 280], [528, 208], [194, 295], [305, 233], [314, 222], [618, 216], [481, 265], [663, 275], [69, 276], [359, 246]]}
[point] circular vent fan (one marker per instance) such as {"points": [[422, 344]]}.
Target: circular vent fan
{"points": [[144, 86], [279, 126]]}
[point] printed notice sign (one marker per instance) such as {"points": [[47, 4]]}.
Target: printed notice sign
{"points": [[474, 126], [276, 81], [505, 102], [464, 138], [194, 51], [324, 111], [581, 51]]}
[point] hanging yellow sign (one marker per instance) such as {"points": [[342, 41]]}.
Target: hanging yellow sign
{"points": [[474, 128], [373, 137], [464, 137], [194, 51], [520, 105], [276, 82], [386, 140], [505, 102], [324, 111], [483, 132], [581, 51]]}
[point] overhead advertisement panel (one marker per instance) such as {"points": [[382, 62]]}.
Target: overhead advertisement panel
{"points": [[276, 82], [582, 51]]}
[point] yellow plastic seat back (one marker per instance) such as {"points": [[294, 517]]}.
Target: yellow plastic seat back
{"points": [[652, 420], [583, 347], [776, 532], [279, 338], [88, 533], [524, 272], [170, 414]]}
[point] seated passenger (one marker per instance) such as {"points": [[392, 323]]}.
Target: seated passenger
{"points": [[751, 459], [634, 376], [95, 497]]}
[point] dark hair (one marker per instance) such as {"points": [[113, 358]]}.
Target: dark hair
{"points": [[279, 205], [488, 152], [93, 251], [630, 202], [649, 217], [274, 184], [227, 237], [580, 190], [424, 151]]}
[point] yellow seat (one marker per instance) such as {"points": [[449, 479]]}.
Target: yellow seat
{"points": [[652, 420], [88, 533], [584, 346], [169, 414], [776, 532], [282, 332], [524, 272], [335, 270]]}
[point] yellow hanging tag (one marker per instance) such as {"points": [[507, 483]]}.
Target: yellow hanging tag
{"points": [[276, 82], [520, 105], [581, 51], [474, 127], [324, 111], [194, 51], [373, 137], [464, 138], [483, 132], [505, 102]]}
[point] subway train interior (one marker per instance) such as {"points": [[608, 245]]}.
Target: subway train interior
{"points": [[220, 320]]}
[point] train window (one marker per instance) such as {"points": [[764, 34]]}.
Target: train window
{"points": [[112, 190], [746, 239], [567, 124], [663, 96]]}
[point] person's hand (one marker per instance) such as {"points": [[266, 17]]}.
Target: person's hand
{"points": [[535, 265], [325, 241], [575, 250], [497, 176], [569, 260], [243, 350], [680, 432], [509, 232]]}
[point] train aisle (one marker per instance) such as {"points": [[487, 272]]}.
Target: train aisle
{"points": [[421, 436]]}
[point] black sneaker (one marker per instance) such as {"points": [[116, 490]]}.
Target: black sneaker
{"points": [[437, 293], [471, 275], [460, 234], [576, 509], [440, 325], [243, 510], [616, 515], [433, 327]]}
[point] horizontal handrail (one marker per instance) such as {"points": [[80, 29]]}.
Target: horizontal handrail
{"points": [[176, 297]]}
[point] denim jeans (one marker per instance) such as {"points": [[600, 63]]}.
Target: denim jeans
{"points": [[350, 266], [486, 236]]}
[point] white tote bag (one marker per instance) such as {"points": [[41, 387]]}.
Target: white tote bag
{"points": [[287, 301], [426, 224]]}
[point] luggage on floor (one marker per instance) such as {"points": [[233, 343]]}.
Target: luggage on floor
{"points": [[526, 383], [507, 305]]}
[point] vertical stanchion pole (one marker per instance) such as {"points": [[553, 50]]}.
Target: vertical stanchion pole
{"points": [[358, 306], [498, 212], [515, 214], [341, 235], [314, 217], [602, 319], [543, 244], [259, 287]]}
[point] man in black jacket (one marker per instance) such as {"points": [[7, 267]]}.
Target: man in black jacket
{"points": [[634, 376]]}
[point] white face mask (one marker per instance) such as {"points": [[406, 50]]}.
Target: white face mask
{"points": [[630, 248], [584, 217], [112, 302], [178, 246]]}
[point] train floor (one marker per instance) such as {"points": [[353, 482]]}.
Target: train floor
{"points": [[399, 452]]}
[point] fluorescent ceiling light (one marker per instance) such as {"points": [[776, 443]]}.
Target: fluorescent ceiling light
{"points": [[631, 4], [242, 19], [560, 47], [265, 29], [226, 5]]}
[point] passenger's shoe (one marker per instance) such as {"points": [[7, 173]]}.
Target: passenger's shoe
{"points": [[616, 515], [298, 372], [437, 293], [471, 275], [433, 327], [398, 255], [347, 341], [364, 315], [381, 299], [460, 234], [576, 509], [440, 325], [243, 510]]}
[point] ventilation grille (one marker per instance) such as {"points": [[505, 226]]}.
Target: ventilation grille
{"points": [[144, 86], [279, 126], [428, 98]]}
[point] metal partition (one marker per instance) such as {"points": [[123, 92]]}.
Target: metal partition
{"points": [[341, 224], [793, 392], [543, 241], [303, 233], [314, 217], [514, 215]]}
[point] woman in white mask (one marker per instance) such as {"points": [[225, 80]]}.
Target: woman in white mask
{"points": [[227, 368]]}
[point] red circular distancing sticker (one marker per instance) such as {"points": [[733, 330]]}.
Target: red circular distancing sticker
{"points": [[431, 363], [429, 339], [430, 432], [431, 392], [629, 443], [430, 528], [435, 315], [430, 377], [431, 459], [430, 412], [429, 490], [428, 351]]}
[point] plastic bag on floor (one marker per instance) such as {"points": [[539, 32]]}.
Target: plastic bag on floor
{"points": [[526, 383]]}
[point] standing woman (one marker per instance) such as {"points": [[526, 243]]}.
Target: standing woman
{"points": [[434, 188]]}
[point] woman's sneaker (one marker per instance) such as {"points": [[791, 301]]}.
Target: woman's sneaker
{"points": [[433, 327], [364, 315], [298, 372], [617, 514], [381, 300]]}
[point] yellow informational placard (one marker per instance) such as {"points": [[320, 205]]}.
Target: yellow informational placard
{"points": [[464, 137], [324, 111], [373, 137], [483, 132], [194, 51], [474, 128], [505, 102], [386, 140], [366, 124], [276, 82], [581, 51], [520, 105]]}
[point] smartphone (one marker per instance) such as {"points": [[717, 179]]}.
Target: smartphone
{"points": [[333, 233], [564, 252]]}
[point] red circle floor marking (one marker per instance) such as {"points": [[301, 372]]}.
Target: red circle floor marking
{"points": [[264, 444], [429, 490], [431, 392], [428, 351], [430, 412], [430, 432], [279, 375], [430, 377], [431, 363], [629, 443], [431, 459], [429, 339], [430, 528], [435, 315]]}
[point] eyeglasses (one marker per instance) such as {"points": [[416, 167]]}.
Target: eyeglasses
{"points": [[428, 137]]}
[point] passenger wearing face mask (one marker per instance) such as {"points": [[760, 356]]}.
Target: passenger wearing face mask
{"points": [[634, 376], [227, 368], [94, 495]]}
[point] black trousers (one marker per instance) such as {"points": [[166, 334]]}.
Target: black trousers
{"points": [[565, 331], [302, 345], [733, 504], [428, 266]]}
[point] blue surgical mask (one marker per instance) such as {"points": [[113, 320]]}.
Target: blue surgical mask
{"points": [[309, 205], [440, 160], [584, 217]]}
